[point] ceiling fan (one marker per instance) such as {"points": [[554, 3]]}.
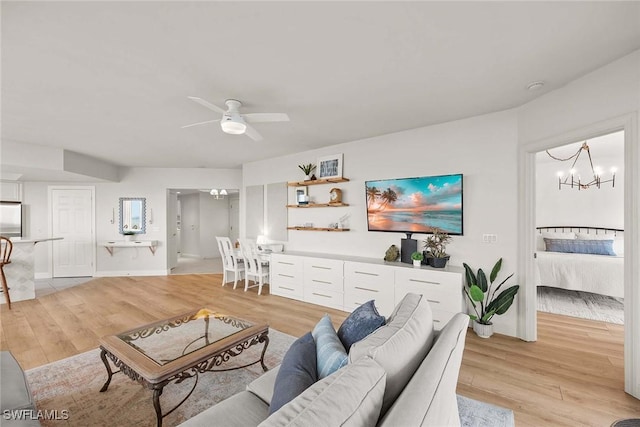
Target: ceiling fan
{"points": [[234, 123]]}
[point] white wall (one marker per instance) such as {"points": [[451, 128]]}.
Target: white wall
{"points": [[190, 231], [151, 183], [483, 148], [214, 221]]}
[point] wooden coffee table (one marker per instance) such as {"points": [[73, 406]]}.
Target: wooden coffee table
{"points": [[179, 348]]}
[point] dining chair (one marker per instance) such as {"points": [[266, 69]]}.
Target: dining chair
{"points": [[6, 247], [230, 260], [255, 266]]}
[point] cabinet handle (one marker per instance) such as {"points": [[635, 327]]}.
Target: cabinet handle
{"points": [[288, 289], [321, 281], [321, 295], [285, 263], [321, 267], [366, 273], [433, 302], [436, 321], [366, 289], [285, 275], [425, 281]]}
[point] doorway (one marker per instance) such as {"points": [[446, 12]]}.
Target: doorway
{"points": [[527, 324], [580, 229], [195, 218]]}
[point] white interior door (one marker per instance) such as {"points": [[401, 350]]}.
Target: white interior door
{"points": [[234, 219], [72, 214], [172, 230]]}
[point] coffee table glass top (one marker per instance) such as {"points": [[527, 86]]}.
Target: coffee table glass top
{"points": [[168, 340]]}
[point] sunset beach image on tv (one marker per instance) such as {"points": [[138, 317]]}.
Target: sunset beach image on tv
{"points": [[415, 205]]}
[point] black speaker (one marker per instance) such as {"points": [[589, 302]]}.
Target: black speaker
{"points": [[408, 247]]}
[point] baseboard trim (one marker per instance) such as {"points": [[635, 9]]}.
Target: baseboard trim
{"points": [[130, 273]]}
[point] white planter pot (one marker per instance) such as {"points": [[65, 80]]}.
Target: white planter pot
{"points": [[483, 331], [416, 262]]}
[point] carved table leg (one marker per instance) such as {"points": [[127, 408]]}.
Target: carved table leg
{"points": [[156, 404], [103, 356], [264, 338]]}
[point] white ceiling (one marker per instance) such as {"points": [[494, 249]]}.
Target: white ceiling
{"points": [[111, 79]]}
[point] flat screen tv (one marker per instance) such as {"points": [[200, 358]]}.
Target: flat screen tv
{"points": [[11, 219], [415, 205]]}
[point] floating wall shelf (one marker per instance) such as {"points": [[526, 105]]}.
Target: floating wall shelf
{"points": [[317, 182], [319, 205], [317, 229]]}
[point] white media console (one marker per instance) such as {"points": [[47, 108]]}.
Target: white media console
{"points": [[344, 282]]}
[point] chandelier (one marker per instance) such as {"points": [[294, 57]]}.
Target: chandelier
{"points": [[218, 194], [574, 180]]}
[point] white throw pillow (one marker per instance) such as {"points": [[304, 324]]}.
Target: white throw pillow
{"points": [[540, 246]]}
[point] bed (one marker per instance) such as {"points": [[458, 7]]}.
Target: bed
{"points": [[596, 273]]}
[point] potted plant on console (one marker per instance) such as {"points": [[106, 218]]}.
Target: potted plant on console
{"points": [[417, 258], [436, 248], [480, 293]]}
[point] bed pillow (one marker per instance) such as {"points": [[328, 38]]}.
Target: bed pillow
{"points": [[297, 372], [593, 247], [360, 323], [330, 352], [540, 245], [618, 240]]}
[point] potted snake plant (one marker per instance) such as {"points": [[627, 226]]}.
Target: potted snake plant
{"points": [[483, 297], [436, 248]]}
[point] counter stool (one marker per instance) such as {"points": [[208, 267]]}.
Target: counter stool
{"points": [[5, 258]]}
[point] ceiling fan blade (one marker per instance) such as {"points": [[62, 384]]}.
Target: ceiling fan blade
{"points": [[252, 133], [265, 117], [199, 123], [207, 104]]}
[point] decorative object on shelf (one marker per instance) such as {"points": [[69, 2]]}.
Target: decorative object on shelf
{"points": [[435, 247], [335, 196], [417, 258], [308, 171], [392, 254], [478, 291], [302, 195], [218, 194], [129, 236], [330, 166], [574, 180], [344, 221]]}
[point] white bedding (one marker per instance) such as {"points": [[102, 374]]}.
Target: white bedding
{"points": [[599, 274]]}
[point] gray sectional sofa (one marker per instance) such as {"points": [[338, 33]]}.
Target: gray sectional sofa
{"points": [[402, 374]]}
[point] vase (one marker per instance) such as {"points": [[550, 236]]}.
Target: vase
{"points": [[439, 262], [482, 330], [417, 262]]}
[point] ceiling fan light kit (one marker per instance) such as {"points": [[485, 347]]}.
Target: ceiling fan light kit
{"points": [[234, 123]]}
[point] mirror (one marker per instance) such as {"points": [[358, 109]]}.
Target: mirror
{"points": [[132, 215]]}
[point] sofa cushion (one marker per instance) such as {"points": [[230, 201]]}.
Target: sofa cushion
{"points": [[330, 352], [263, 385], [360, 323], [400, 345], [243, 409], [430, 397], [349, 397], [297, 372]]}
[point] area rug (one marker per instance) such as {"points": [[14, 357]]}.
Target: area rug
{"points": [[71, 386], [580, 304]]}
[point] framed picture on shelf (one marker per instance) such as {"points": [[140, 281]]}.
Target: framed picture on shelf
{"points": [[329, 167], [302, 196]]}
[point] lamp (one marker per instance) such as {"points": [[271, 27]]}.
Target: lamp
{"points": [[218, 194], [574, 180]]}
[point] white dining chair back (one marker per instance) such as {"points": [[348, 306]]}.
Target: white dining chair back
{"points": [[256, 267], [231, 262]]}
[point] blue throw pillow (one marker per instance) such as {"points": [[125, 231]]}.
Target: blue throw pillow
{"points": [[297, 372], [593, 247], [330, 352], [360, 323]]}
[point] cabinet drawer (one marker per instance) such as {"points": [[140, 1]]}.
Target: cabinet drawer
{"points": [[324, 269], [369, 276], [324, 297], [431, 278], [449, 299], [286, 265], [286, 287], [441, 318]]}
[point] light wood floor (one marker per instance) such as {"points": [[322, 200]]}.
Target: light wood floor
{"points": [[572, 376]]}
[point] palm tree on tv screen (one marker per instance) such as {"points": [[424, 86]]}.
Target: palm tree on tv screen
{"points": [[372, 194], [388, 197]]}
